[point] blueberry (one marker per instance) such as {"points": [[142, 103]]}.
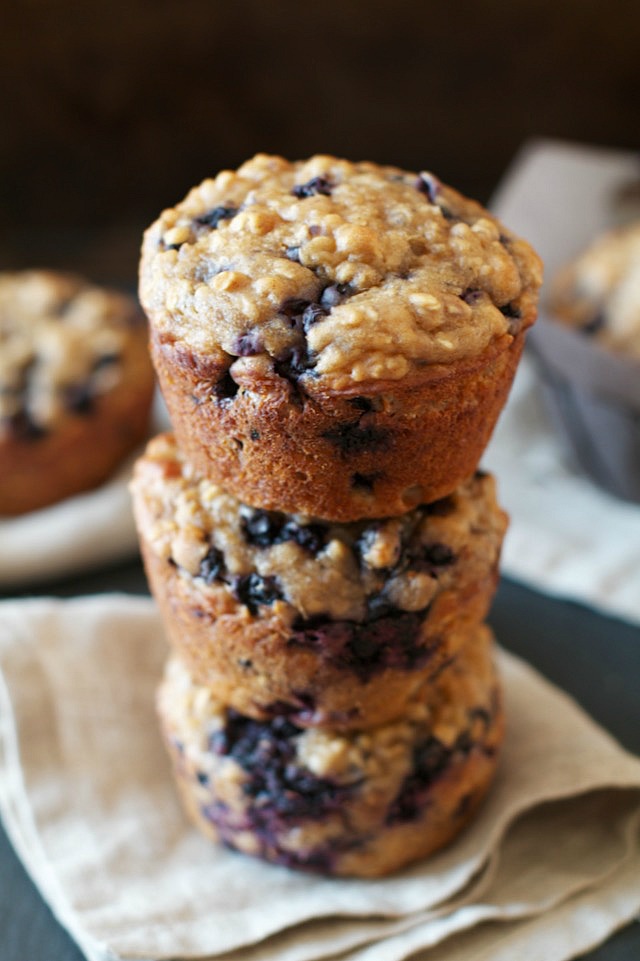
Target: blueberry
{"points": [[334, 294], [281, 788], [433, 558], [428, 185], [292, 363], [471, 296], [253, 590], [78, 398], [293, 253], [510, 311], [317, 185], [430, 759], [247, 345], [514, 315], [213, 217], [212, 566], [311, 315], [294, 307], [262, 528], [302, 313], [312, 537]]}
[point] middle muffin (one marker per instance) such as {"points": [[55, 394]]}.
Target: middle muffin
{"points": [[334, 625]]}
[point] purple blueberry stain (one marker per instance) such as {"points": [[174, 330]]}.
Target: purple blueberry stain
{"points": [[317, 185], [353, 438], [430, 759], [390, 639], [280, 788]]}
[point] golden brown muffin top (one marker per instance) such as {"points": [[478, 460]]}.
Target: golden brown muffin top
{"points": [[335, 272]]}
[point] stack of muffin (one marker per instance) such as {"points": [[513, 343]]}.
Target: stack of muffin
{"points": [[334, 342]]}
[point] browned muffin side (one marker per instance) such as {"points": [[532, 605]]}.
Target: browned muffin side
{"points": [[332, 338]]}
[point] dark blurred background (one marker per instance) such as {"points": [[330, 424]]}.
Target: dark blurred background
{"points": [[114, 110]]}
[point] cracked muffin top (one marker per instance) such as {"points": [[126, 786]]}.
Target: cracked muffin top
{"points": [[63, 342], [338, 273], [599, 292]]}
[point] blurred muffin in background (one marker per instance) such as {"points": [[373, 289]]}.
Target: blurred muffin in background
{"points": [[76, 386], [599, 292], [588, 353]]}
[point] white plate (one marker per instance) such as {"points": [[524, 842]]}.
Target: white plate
{"points": [[76, 535]]}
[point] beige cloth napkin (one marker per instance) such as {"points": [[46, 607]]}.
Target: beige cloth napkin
{"points": [[567, 537], [549, 868]]}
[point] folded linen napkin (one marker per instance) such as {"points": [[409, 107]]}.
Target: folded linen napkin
{"points": [[550, 866]]}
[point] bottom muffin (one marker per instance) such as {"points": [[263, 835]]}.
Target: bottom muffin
{"points": [[355, 804]]}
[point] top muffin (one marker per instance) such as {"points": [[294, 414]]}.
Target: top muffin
{"points": [[337, 272]]}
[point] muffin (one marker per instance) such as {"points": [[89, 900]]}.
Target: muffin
{"points": [[76, 385], [332, 338], [328, 624], [599, 292], [588, 355], [357, 803]]}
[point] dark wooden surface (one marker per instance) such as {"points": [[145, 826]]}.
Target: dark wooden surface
{"points": [[596, 659]]}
